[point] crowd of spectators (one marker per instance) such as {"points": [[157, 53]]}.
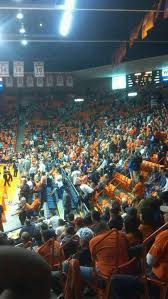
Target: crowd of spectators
{"points": [[8, 133], [92, 150]]}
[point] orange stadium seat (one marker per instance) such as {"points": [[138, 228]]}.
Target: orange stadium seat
{"points": [[123, 181]]}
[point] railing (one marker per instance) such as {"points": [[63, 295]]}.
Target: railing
{"points": [[73, 193]]}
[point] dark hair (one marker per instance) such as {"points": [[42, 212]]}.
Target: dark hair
{"points": [[44, 226], [70, 229], [71, 217], [148, 216], [106, 215], [115, 208], [100, 227], [61, 222], [48, 234], [116, 222], [87, 220], [38, 238], [130, 224], [95, 216]]}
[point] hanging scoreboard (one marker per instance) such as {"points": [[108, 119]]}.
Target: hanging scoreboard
{"points": [[143, 79]]}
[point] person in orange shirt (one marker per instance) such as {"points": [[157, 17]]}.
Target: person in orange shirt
{"points": [[139, 189], [51, 249], [34, 206], [157, 256], [107, 248]]}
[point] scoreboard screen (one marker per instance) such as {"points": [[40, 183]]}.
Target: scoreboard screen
{"points": [[1, 85], [142, 79]]}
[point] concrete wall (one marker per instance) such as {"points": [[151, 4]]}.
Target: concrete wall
{"points": [[97, 85]]}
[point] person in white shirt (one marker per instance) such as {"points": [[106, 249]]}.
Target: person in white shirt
{"points": [[75, 175], [54, 220], [164, 191], [86, 189], [42, 167]]}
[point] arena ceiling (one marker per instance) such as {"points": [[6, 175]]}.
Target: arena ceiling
{"points": [[86, 25]]}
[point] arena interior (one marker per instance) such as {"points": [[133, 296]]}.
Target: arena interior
{"points": [[83, 149]]}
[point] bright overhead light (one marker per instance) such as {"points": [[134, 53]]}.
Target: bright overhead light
{"points": [[67, 17], [19, 16], [41, 25], [138, 74], [69, 5], [132, 94], [24, 42], [22, 30], [65, 23], [79, 100]]}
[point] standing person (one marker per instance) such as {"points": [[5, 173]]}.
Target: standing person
{"points": [[5, 176], [66, 201], [10, 178], [137, 160], [15, 168], [1, 214]]}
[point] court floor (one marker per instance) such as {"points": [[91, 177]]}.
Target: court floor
{"points": [[9, 200]]}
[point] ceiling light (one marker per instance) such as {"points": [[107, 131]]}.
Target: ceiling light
{"points": [[19, 16], [79, 100], [24, 42], [69, 5], [132, 94], [65, 23], [22, 30], [41, 25]]}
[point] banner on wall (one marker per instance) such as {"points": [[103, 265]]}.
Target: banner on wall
{"points": [[148, 24], [39, 69], [49, 81], [18, 68], [9, 81], [29, 81], [4, 68], [20, 82], [69, 81], [60, 80], [135, 34], [40, 82]]}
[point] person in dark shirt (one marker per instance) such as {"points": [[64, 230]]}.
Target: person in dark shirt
{"points": [[29, 227], [15, 168], [5, 176], [69, 245], [66, 201]]}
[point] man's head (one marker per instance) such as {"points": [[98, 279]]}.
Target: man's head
{"points": [[95, 215], [101, 227], [23, 201], [70, 230], [25, 237], [115, 208], [71, 217]]}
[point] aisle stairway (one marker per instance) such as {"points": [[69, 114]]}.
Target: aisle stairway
{"points": [[20, 136]]}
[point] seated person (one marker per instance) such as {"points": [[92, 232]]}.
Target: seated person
{"points": [[134, 236], [104, 248], [51, 249], [157, 256]]}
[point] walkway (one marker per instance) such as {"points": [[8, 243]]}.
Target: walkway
{"points": [[20, 136]]}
